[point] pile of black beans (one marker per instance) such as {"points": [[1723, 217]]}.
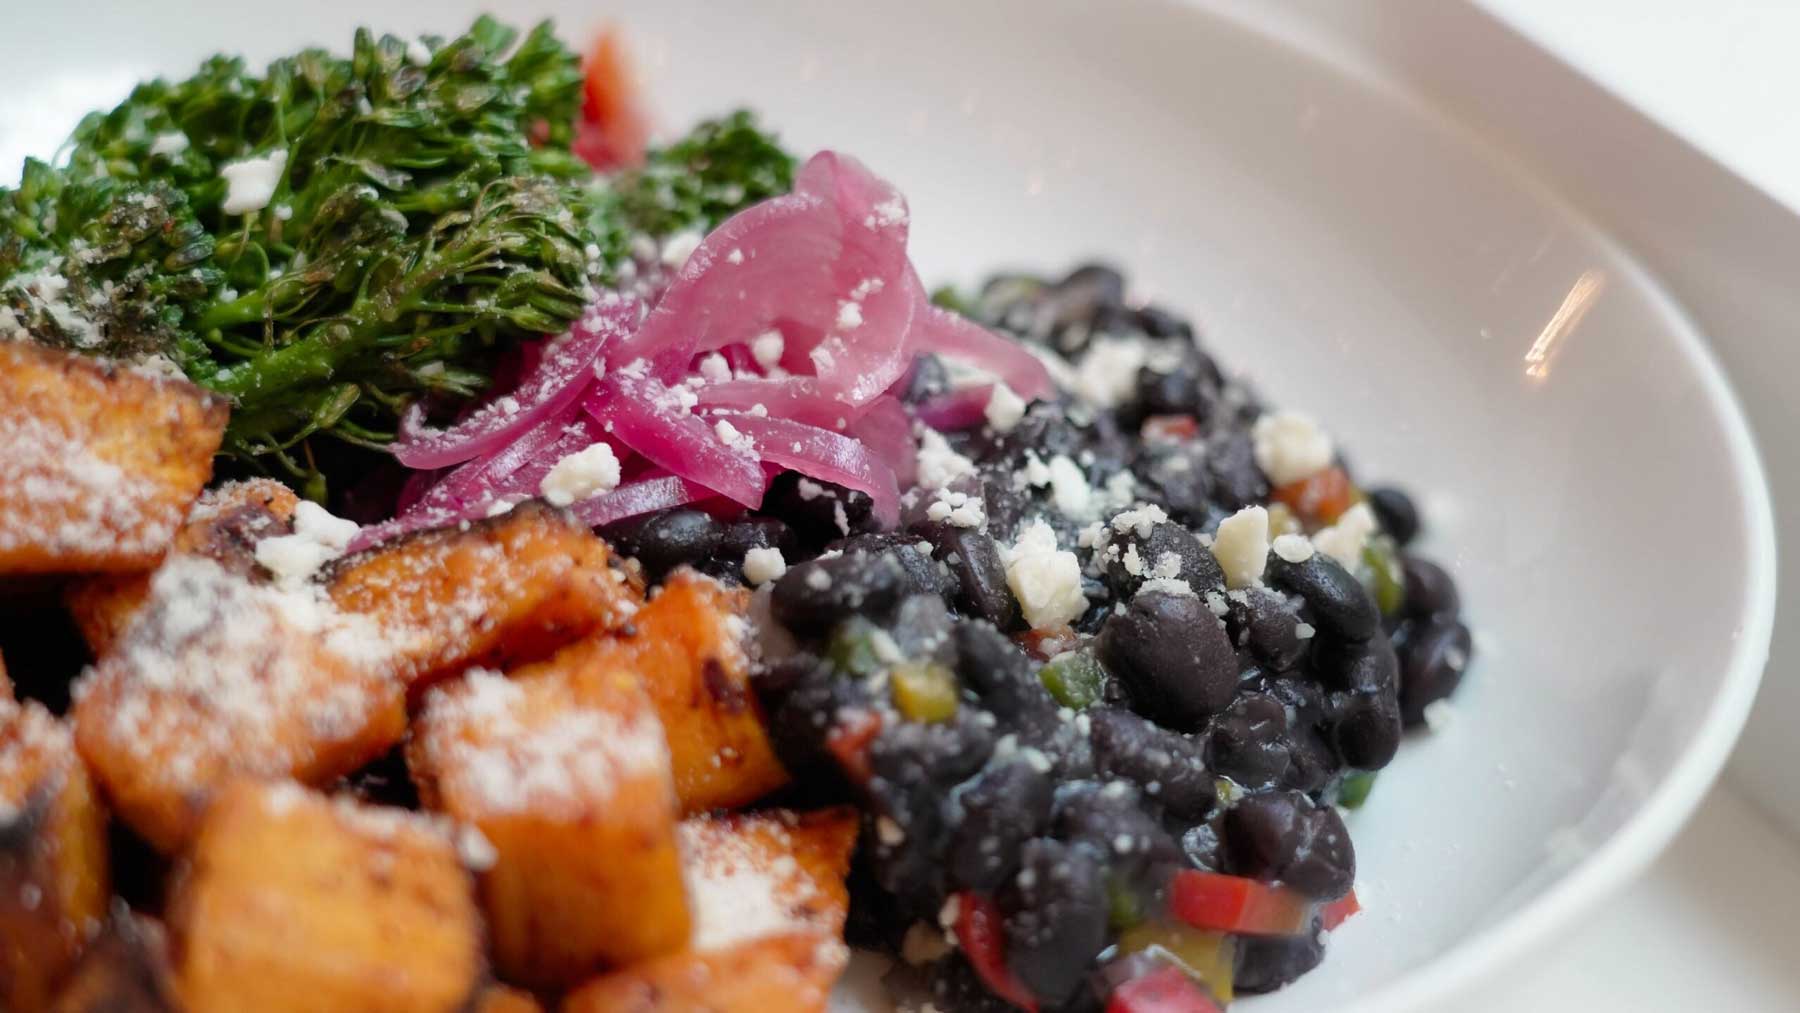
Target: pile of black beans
{"points": [[1181, 734]]}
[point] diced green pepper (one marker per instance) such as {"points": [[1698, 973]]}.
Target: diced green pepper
{"points": [[923, 691], [1124, 905], [1353, 790], [1381, 565], [1205, 956], [1074, 678], [858, 647]]}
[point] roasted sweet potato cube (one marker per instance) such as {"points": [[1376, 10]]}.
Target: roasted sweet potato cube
{"points": [[222, 675], [687, 647], [793, 973], [98, 463], [53, 868], [498, 592], [769, 908], [500, 999], [567, 777], [125, 970], [292, 901], [6, 686], [224, 525]]}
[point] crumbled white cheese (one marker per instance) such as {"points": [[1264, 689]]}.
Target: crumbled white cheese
{"points": [[1289, 446], [1344, 540], [736, 256], [679, 247], [959, 508], [1242, 546], [766, 349], [732, 437], [1108, 373], [318, 538], [714, 368], [849, 316], [251, 182], [1069, 489], [1044, 578], [763, 565], [1293, 548], [172, 143], [588, 472], [938, 463], [1004, 409], [1439, 715], [1139, 520]]}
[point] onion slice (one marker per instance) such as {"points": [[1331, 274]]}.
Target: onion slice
{"points": [[552, 385]]}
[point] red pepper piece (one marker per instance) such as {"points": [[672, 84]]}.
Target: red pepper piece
{"points": [[1218, 903], [980, 933], [1164, 990]]}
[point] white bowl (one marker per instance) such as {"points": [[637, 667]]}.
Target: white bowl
{"points": [[1602, 506]]}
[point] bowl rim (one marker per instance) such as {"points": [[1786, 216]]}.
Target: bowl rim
{"points": [[1461, 971]]}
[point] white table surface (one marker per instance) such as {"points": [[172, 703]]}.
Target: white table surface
{"points": [[1713, 925]]}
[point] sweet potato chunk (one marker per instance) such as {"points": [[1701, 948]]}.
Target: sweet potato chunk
{"points": [[793, 973], [125, 970], [500, 999], [53, 868], [292, 901], [98, 464], [6, 686], [224, 675], [769, 909], [498, 592], [224, 525], [687, 648], [567, 777]]}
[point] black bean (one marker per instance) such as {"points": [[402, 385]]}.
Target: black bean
{"points": [[727, 562], [1396, 512], [1285, 836], [1193, 564], [812, 597], [922, 574], [975, 567], [1160, 323], [1109, 815], [921, 629], [1436, 657], [818, 512], [998, 670], [1084, 291], [1006, 505], [663, 541], [1263, 622], [1365, 728], [1056, 914], [1006, 805], [927, 379], [1249, 741], [1169, 767], [1365, 666], [1340, 605], [1172, 392], [1312, 762], [1177, 477], [914, 765], [1174, 656], [1202, 846], [804, 695], [1231, 464], [1265, 963], [954, 985], [1430, 591]]}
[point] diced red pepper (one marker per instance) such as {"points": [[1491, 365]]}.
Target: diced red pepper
{"points": [[983, 940], [1218, 903], [1164, 990], [1169, 428], [1339, 911], [614, 130], [1046, 644], [1320, 498], [849, 743]]}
